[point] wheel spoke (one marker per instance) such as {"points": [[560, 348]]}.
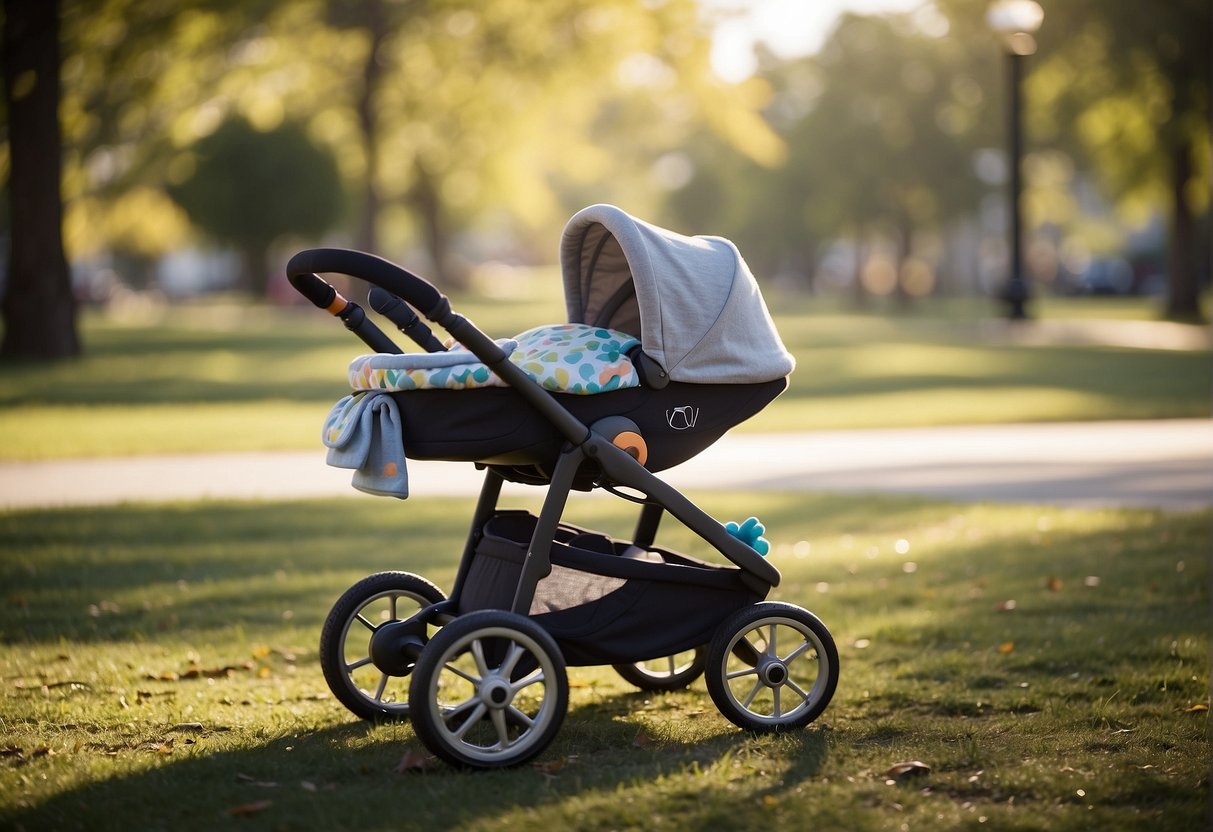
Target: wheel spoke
{"points": [[757, 687], [507, 666], [392, 603], [382, 687], [476, 715], [461, 708], [521, 717], [350, 668], [462, 674], [673, 667], [775, 695], [799, 691], [365, 623], [795, 654], [482, 665], [503, 731], [737, 674], [771, 648], [534, 679]]}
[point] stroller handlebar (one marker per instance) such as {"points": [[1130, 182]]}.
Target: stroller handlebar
{"points": [[426, 299], [417, 291]]}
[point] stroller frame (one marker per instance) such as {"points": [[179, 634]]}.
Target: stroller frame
{"points": [[513, 655]]}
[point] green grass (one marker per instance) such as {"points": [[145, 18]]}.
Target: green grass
{"points": [[215, 377], [159, 671]]}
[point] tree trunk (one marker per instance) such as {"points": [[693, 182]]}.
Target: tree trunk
{"points": [[427, 202], [905, 248], [254, 262], [368, 124], [859, 292], [1183, 290], [38, 309]]}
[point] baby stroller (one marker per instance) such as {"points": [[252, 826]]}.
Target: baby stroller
{"points": [[669, 344]]}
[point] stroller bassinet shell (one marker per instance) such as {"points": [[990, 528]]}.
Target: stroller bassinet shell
{"points": [[692, 301]]}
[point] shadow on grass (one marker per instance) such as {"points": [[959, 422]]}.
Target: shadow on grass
{"points": [[201, 566], [349, 776], [1109, 632]]}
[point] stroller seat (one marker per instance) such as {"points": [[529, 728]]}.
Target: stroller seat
{"points": [[669, 332], [564, 358]]}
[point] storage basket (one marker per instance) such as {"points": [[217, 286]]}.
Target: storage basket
{"points": [[606, 601]]}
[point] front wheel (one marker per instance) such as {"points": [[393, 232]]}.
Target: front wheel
{"points": [[489, 690], [368, 610], [772, 667]]}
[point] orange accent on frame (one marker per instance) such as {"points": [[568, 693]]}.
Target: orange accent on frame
{"points": [[338, 305], [633, 445]]}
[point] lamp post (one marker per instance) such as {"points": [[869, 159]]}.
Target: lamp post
{"points": [[1015, 21]]}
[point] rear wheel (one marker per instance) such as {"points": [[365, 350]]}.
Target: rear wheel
{"points": [[772, 667], [673, 672], [366, 650], [489, 691]]}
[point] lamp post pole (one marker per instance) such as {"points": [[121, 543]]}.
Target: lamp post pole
{"points": [[1015, 21], [1015, 294]]}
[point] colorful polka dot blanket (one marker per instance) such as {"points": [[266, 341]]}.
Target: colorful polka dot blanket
{"points": [[563, 358]]}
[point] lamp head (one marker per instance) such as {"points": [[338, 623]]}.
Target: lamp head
{"points": [[1015, 21]]}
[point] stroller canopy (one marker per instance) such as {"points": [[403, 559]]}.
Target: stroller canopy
{"points": [[692, 301]]}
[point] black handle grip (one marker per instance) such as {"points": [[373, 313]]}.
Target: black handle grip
{"points": [[314, 289], [405, 319], [419, 292], [329, 299]]}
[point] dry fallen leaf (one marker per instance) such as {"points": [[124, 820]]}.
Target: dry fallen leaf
{"points": [[253, 781], [1053, 583], [187, 726], [245, 809], [551, 767], [414, 760], [1005, 606], [1006, 647], [1197, 708], [906, 770]]}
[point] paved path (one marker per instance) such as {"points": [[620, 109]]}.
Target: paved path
{"points": [[1155, 463]]}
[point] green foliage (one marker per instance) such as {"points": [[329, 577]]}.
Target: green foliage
{"points": [[880, 128], [250, 187], [160, 671]]}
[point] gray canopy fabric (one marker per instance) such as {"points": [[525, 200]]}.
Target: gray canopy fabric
{"points": [[692, 301]]}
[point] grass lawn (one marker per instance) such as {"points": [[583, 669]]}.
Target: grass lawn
{"points": [[215, 377], [1050, 666]]}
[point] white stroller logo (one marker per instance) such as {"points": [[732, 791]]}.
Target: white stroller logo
{"points": [[682, 418]]}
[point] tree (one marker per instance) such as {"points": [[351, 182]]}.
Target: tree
{"points": [[880, 127], [470, 109], [249, 188], [38, 309]]}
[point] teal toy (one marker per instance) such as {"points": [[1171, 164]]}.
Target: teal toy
{"points": [[750, 533]]}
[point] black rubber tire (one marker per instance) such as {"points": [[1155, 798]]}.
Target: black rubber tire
{"points": [[449, 681], [336, 634], [807, 672], [679, 678]]}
